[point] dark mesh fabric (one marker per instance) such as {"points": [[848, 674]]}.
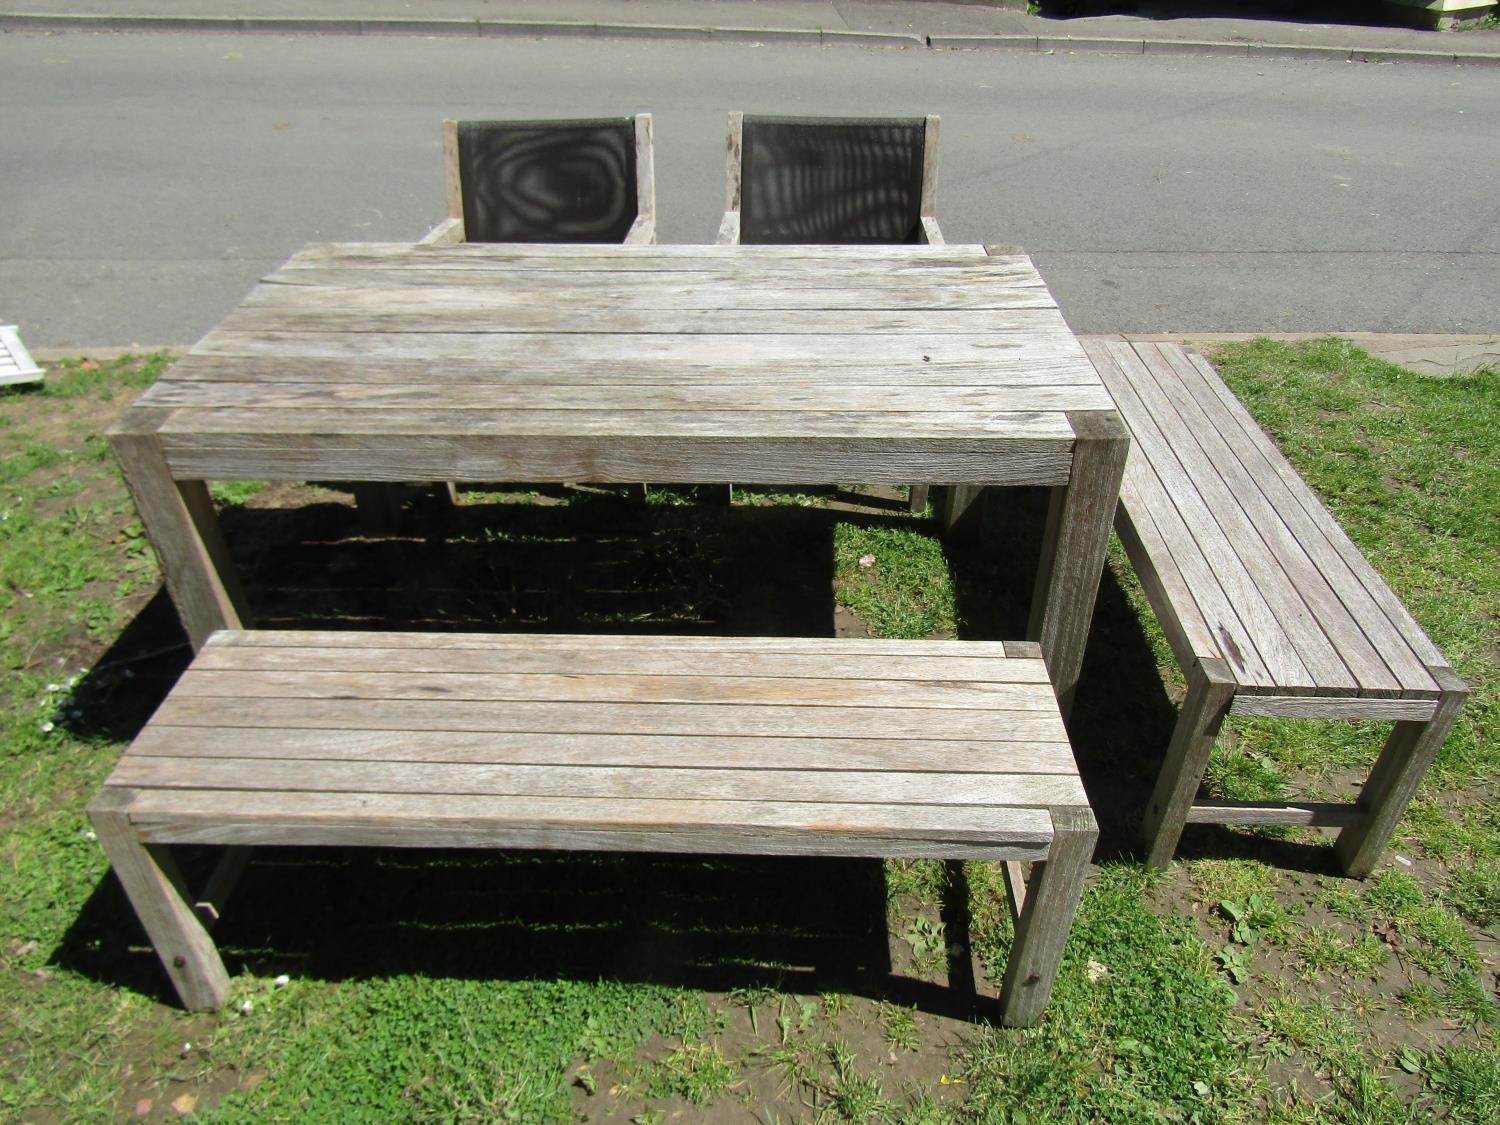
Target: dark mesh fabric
{"points": [[547, 181], [831, 180]]}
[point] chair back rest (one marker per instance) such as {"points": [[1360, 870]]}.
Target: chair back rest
{"points": [[831, 180], [548, 181]]}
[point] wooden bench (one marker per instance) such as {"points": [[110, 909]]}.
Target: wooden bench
{"points": [[669, 744], [1270, 608]]}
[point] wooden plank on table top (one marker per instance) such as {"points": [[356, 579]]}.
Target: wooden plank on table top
{"points": [[1373, 650], [623, 687], [478, 302], [1032, 336], [748, 827], [947, 757], [1169, 451], [1333, 533], [561, 316], [886, 274], [1030, 359], [329, 452], [1148, 491], [779, 787], [334, 422], [663, 255], [621, 659], [609, 718], [1260, 541], [767, 396]]}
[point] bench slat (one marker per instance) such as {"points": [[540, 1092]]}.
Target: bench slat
{"points": [[601, 687], [602, 661], [938, 756], [644, 645], [406, 819], [610, 718], [780, 787]]}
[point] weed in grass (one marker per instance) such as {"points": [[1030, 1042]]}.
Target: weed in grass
{"points": [[835, 1004], [1466, 1080], [852, 1097], [929, 944], [1235, 879], [1324, 951], [922, 879], [795, 1017], [1467, 999], [697, 1072], [1254, 917], [900, 1024], [1421, 1001], [1474, 891], [752, 1000], [1239, 776], [798, 1062], [895, 579], [236, 493]]}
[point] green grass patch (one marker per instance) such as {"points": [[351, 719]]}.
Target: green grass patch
{"points": [[895, 579]]}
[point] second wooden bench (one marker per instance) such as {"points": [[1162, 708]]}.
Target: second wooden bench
{"points": [[1269, 606], [941, 749]]}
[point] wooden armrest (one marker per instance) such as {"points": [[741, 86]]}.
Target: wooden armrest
{"points": [[449, 232], [642, 232], [729, 229]]}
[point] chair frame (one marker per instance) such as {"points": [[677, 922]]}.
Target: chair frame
{"points": [[729, 226], [450, 232]]}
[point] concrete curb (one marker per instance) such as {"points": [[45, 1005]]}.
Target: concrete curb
{"points": [[486, 28], [1047, 44]]}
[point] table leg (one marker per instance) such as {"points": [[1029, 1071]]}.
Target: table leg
{"points": [[1074, 546], [182, 525]]}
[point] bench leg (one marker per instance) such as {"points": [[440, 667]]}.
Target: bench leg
{"points": [[918, 499], [1045, 918], [1210, 691], [1394, 780], [161, 901]]}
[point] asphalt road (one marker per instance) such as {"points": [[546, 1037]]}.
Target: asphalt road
{"points": [[146, 181]]}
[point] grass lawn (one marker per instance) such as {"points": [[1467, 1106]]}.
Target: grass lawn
{"points": [[1248, 982]]}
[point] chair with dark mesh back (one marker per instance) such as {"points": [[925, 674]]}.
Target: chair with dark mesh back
{"points": [[833, 180], [549, 181]]}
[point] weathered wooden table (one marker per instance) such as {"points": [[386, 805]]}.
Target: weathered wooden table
{"points": [[766, 364]]}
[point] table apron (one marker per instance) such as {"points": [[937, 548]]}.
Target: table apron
{"points": [[476, 458]]}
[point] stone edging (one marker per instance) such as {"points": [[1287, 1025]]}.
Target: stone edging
{"points": [[487, 28]]}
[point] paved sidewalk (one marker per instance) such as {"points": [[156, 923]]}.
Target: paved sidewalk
{"points": [[1158, 26]]}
